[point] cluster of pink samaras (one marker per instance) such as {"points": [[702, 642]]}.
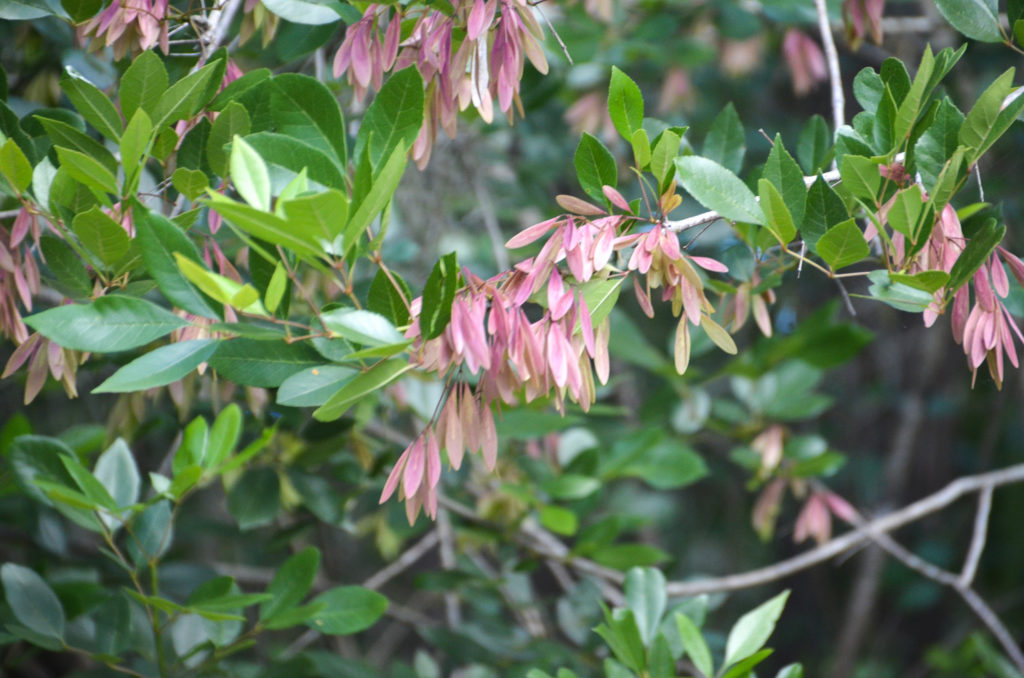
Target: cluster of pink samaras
{"points": [[130, 25], [475, 56], [518, 359], [986, 329]]}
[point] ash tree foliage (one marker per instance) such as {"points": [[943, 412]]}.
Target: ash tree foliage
{"points": [[202, 232]]}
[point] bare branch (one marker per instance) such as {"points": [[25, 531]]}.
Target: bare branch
{"points": [[403, 562], [834, 76], [978, 537]]}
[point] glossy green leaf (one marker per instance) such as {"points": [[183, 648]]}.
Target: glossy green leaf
{"points": [[899, 295], [236, 88], [255, 499], [116, 470], [348, 609], [276, 288], [663, 157], [905, 212], [111, 323], [377, 377], [695, 645], [292, 581], [32, 601], [361, 326], [87, 170], [938, 143], [142, 84], [66, 266], [15, 167], [718, 189], [221, 288], [988, 119], [307, 12], [625, 104], [842, 245], [641, 148], [377, 198], [152, 532], [595, 166], [102, 236], [977, 19], [753, 629], [391, 302], [161, 366], [80, 10], [868, 88], [743, 668], [302, 107], [68, 136], [824, 209], [571, 486], [726, 141], [184, 98], [93, 104], [777, 217], [974, 255], [861, 177], [231, 121], [159, 240], [915, 99], [252, 362], [318, 218], [223, 436], [286, 156], [263, 225], [313, 386], [249, 174], [190, 183], [438, 295], [621, 633], [812, 149], [785, 174], [645, 597], [135, 144], [394, 118]]}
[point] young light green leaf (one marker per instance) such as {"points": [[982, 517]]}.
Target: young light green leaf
{"points": [[777, 217], [161, 366], [190, 183], [906, 212], [663, 156], [223, 436], [223, 289], [595, 166], [842, 245], [977, 19], [726, 143], [142, 84], [641, 148], [109, 324], [313, 386], [318, 218], [743, 668], [348, 609], [695, 645], [15, 167], [912, 103], [718, 189], [262, 225], [753, 629], [93, 104], [135, 144], [102, 236], [249, 174], [645, 596], [32, 601], [377, 377], [625, 104], [276, 288]]}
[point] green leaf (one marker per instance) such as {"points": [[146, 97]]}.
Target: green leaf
{"points": [[861, 177], [153, 532], [159, 240], [977, 19], [777, 217], [438, 295], [645, 597], [293, 617], [262, 225], [824, 209], [899, 295], [595, 166], [905, 212], [32, 601], [223, 436], [102, 236], [318, 218], [625, 104], [308, 12], [938, 143], [237, 88], [929, 281], [621, 633], [384, 298], [135, 144], [15, 166], [93, 104], [663, 157], [249, 174], [753, 629], [161, 366], [571, 486], [695, 645], [641, 148], [987, 119], [348, 609], [377, 198], [92, 489], [276, 288], [225, 290], [791, 671], [117, 472], [361, 326], [559, 520], [191, 183], [726, 142], [378, 376], [394, 118], [87, 170], [911, 105], [302, 107], [812, 149], [625, 556], [286, 156], [109, 324], [142, 84], [232, 121], [252, 362], [977, 251], [183, 99], [718, 189], [785, 174], [291, 583], [68, 136], [312, 387], [600, 297], [67, 266], [842, 245], [743, 669], [256, 498]]}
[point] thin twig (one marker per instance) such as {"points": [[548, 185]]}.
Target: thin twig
{"points": [[403, 562], [565, 50], [978, 537], [834, 76]]}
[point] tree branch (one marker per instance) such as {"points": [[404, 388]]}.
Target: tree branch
{"points": [[978, 537], [834, 76]]}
